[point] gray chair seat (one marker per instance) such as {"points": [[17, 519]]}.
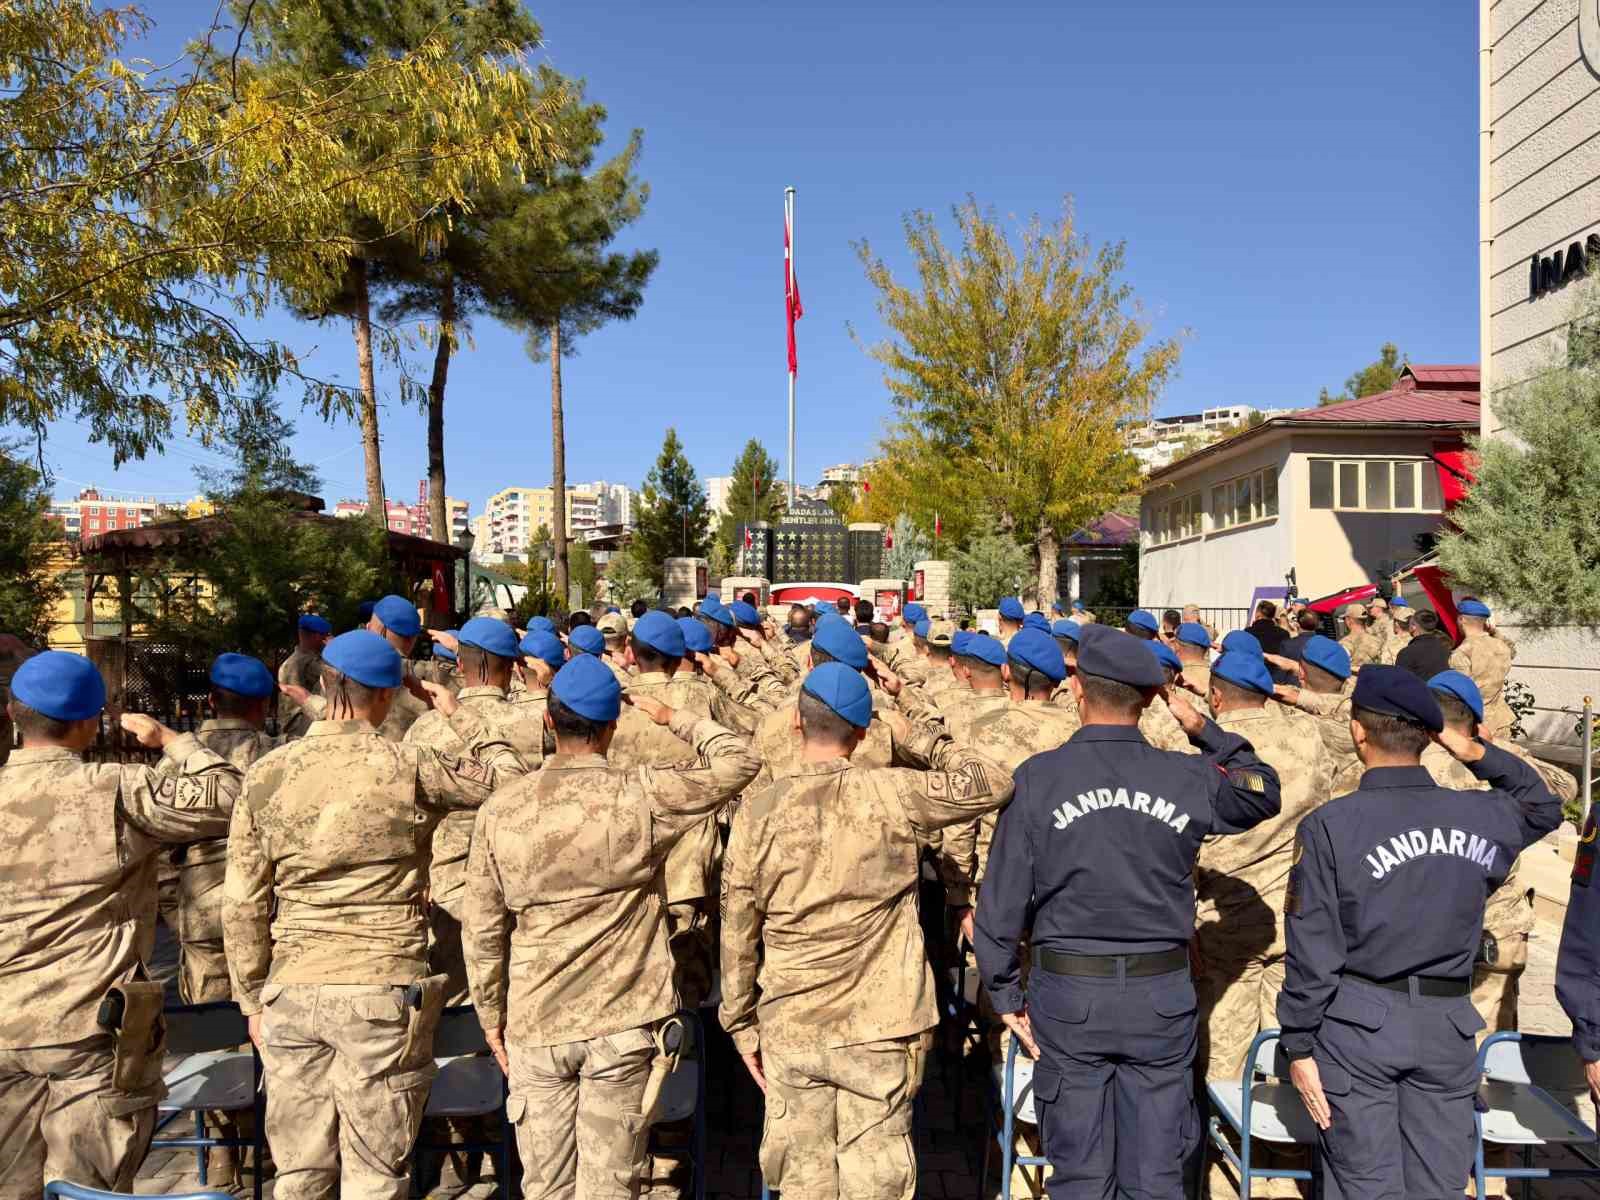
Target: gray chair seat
{"points": [[1523, 1114], [466, 1087], [213, 1080], [1021, 1088], [1276, 1111]]}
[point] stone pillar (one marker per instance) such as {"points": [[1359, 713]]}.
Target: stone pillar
{"points": [[932, 582], [734, 586], [870, 589], [684, 581]]}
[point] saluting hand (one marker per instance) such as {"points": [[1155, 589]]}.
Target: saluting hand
{"points": [[147, 731], [439, 696], [1187, 714], [1460, 747], [887, 679], [729, 654], [295, 692], [443, 637], [899, 727], [1307, 1081], [658, 712]]}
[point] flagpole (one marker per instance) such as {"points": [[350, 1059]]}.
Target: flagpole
{"points": [[788, 218]]}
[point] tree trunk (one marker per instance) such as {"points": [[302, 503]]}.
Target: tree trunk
{"points": [[368, 412], [1048, 548], [438, 516], [558, 468]]}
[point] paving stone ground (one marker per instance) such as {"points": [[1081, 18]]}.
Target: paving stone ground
{"points": [[949, 1128]]}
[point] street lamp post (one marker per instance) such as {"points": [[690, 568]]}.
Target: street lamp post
{"points": [[465, 541]]}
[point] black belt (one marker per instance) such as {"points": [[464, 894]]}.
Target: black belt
{"points": [[1104, 966], [1427, 985]]}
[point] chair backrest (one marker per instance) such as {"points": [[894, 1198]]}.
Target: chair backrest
{"points": [[60, 1189], [197, 1028], [458, 1033], [1270, 1059], [1543, 1060]]}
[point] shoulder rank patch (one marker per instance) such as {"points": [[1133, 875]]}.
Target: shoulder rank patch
{"points": [[1250, 781], [969, 783], [189, 791], [470, 769]]}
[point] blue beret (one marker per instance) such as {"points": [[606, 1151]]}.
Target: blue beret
{"points": [[1166, 655], [914, 612], [959, 640], [922, 628], [444, 653], [1055, 607], [1036, 620], [398, 615], [1399, 602], [1034, 648], [587, 639], [1396, 692], [1068, 629], [660, 632], [1473, 608], [717, 611], [61, 686], [1192, 633], [364, 610], [1077, 606], [1011, 608], [745, 614], [696, 637], [587, 686], [822, 606], [842, 643], [1141, 618], [490, 635], [544, 623], [842, 690], [543, 645], [1246, 670], [985, 649], [366, 658], [312, 623], [242, 675], [1112, 654], [1460, 686], [1326, 653], [1241, 642]]}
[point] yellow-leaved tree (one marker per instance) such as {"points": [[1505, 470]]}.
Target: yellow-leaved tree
{"points": [[1011, 369]]}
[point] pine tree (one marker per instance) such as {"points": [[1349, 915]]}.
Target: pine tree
{"points": [[909, 548], [628, 579], [673, 514], [754, 495], [30, 587], [257, 437], [992, 566]]}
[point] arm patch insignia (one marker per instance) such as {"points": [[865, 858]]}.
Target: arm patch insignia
{"points": [[1250, 781], [971, 782], [189, 791]]}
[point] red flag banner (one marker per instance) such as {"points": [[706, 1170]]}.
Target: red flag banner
{"points": [[938, 525], [749, 541], [793, 309], [888, 538]]}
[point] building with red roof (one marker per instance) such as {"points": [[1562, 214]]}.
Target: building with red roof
{"points": [[1339, 495]]}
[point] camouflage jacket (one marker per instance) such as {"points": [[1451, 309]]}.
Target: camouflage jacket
{"points": [[1487, 659], [78, 880], [1362, 647], [564, 931], [819, 896], [1241, 881], [302, 670], [1009, 736], [328, 855], [496, 717]]}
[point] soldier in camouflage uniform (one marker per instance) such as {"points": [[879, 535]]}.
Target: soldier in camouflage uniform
{"points": [[540, 656], [395, 619], [1399, 632], [79, 1084], [753, 639], [566, 936], [487, 653], [1241, 882], [1486, 657], [1193, 647], [327, 930], [441, 667], [979, 660], [1325, 689], [1359, 643], [302, 669], [819, 910], [1159, 727], [940, 678]]}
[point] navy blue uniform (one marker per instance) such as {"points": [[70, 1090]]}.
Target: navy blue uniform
{"points": [[1097, 851], [1385, 914], [1578, 963]]}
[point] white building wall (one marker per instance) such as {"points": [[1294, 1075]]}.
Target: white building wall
{"points": [[1544, 184]]}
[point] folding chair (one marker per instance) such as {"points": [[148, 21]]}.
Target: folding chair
{"points": [[213, 1075], [469, 1084], [1523, 1073], [1263, 1109], [60, 1189], [1012, 1089], [683, 1098]]}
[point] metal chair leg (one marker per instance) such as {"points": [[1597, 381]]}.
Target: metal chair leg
{"points": [[201, 1153]]}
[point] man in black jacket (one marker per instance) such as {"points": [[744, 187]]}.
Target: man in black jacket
{"points": [[1428, 652]]}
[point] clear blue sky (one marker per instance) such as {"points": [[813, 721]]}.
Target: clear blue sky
{"points": [[1295, 185]]}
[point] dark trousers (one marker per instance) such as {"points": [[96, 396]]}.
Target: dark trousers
{"points": [[1399, 1071], [1113, 1085]]}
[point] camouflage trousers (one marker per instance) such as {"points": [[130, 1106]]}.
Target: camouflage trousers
{"points": [[838, 1122], [345, 1087], [60, 1118], [576, 1111]]}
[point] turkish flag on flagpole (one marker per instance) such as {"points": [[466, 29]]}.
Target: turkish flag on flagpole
{"points": [[793, 309]]}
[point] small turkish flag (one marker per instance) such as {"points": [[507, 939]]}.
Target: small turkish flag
{"points": [[888, 538], [865, 486], [938, 526], [749, 541], [793, 309]]}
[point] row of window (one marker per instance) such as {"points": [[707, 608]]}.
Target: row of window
{"points": [[1346, 485]]}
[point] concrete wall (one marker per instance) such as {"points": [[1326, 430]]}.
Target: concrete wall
{"points": [[1544, 183]]}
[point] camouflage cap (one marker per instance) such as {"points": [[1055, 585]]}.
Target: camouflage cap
{"points": [[941, 633], [613, 625]]}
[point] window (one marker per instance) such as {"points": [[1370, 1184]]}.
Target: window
{"points": [[1241, 501], [1376, 485], [1173, 520]]}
